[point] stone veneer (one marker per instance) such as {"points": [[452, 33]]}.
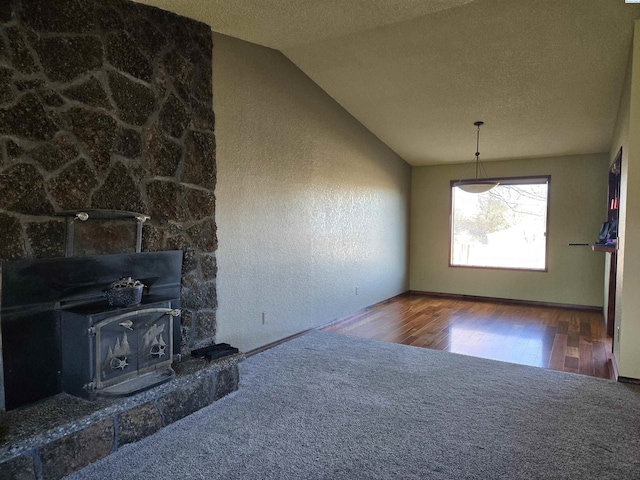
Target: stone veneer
{"points": [[107, 104]]}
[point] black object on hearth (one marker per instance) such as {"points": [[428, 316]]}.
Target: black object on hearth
{"points": [[213, 352]]}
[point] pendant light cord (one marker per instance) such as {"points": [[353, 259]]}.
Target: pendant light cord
{"points": [[478, 185]]}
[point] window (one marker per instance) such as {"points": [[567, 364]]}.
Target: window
{"points": [[505, 227]]}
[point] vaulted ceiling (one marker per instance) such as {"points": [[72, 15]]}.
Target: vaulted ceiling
{"points": [[544, 75]]}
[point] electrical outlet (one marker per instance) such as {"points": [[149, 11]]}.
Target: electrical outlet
{"points": [[264, 317], [357, 290]]}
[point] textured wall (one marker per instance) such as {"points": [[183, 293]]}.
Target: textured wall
{"points": [[627, 343], [578, 193], [310, 205], [619, 140], [107, 104]]}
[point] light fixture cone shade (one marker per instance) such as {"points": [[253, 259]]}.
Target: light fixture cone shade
{"points": [[479, 186]]}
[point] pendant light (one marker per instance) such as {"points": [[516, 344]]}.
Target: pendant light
{"points": [[480, 184]]}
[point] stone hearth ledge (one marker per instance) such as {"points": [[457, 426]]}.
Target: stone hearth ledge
{"points": [[63, 434]]}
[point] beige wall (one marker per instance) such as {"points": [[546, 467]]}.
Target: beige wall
{"points": [[578, 193], [620, 139], [627, 350], [310, 205]]}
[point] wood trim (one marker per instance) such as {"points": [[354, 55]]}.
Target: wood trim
{"points": [[611, 294], [548, 223], [633, 381], [603, 248], [268, 346], [508, 269], [506, 179], [613, 368], [255, 351], [509, 301]]}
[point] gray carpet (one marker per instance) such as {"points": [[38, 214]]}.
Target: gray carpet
{"points": [[330, 406]]}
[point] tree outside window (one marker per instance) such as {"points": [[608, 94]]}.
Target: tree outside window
{"points": [[505, 227]]}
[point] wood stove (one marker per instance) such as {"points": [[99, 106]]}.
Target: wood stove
{"points": [[59, 333], [117, 351]]}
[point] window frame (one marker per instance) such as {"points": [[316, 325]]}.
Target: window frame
{"points": [[521, 180]]}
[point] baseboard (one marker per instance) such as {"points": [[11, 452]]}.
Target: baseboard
{"points": [[530, 303], [255, 351], [633, 381]]}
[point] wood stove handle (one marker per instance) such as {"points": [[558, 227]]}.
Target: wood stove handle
{"points": [[174, 312]]}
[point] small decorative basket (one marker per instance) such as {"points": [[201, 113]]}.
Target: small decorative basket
{"points": [[124, 293]]}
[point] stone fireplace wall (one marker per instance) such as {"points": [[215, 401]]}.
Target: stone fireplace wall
{"points": [[107, 104]]}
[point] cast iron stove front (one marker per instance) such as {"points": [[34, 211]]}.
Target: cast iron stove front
{"points": [[117, 351]]}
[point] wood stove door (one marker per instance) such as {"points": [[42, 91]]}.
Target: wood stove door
{"points": [[133, 343], [116, 353], [156, 341]]}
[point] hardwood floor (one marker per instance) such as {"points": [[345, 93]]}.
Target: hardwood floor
{"points": [[556, 338]]}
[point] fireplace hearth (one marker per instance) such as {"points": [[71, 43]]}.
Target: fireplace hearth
{"points": [[83, 377], [57, 436]]}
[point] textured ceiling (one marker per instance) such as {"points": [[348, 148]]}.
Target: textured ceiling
{"points": [[544, 75]]}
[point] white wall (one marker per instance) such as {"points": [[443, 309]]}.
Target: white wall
{"points": [[577, 208], [310, 205]]}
